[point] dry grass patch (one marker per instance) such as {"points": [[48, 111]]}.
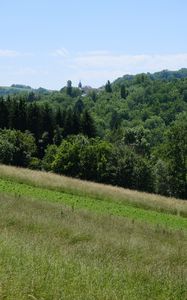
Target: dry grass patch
{"points": [[95, 190]]}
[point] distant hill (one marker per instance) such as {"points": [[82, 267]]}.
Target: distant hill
{"points": [[20, 88], [163, 75]]}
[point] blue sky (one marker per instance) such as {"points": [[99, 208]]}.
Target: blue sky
{"points": [[46, 42]]}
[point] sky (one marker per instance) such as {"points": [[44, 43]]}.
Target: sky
{"points": [[47, 42]]}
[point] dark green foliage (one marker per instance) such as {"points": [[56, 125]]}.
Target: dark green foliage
{"points": [[138, 139], [3, 114], [69, 88], [108, 87], [79, 106], [88, 125], [43, 142], [93, 95], [34, 120], [165, 75], [123, 92], [59, 118], [48, 160], [175, 153], [98, 160], [129, 170], [67, 160], [35, 163], [31, 97], [48, 121], [94, 159], [115, 120], [48, 125], [16, 147], [141, 122], [58, 136], [161, 178]]}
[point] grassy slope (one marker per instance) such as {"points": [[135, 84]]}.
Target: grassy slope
{"points": [[49, 250], [99, 206], [94, 190]]}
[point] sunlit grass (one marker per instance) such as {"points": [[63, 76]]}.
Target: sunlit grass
{"points": [[49, 251], [62, 238], [95, 190], [93, 204]]}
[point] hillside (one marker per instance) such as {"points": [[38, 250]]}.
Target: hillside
{"points": [[130, 133], [162, 75], [166, 75], [21, 89], [63, 238]]}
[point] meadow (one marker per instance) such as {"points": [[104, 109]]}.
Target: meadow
{"points": [[58, 240]]}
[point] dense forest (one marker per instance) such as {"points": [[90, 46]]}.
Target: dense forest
{"points": [[131, 133]]}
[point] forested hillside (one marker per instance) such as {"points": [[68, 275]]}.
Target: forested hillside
{"points": [[131, 133]]}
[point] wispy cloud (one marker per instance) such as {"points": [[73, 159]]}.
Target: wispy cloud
{"points": [[8, 53], [92, 68], [13, 53], [130, 63], [62, 52], [98, 66]]}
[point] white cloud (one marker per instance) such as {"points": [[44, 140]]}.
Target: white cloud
{"points": [[13, 53], [96, 67], [8, 53], [130, 63], [62, 52], [92, 68]]}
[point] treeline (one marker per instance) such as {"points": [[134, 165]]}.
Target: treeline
{"points": [[125, 163], [47, 124], [135, 136], [99, 160]]}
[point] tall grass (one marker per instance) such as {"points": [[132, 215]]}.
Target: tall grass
{"points": [[51, 252], [95, 190], [100, 206]]}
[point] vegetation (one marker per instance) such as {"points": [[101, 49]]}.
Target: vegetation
{"points": [[92, 190], [130, 133], [96, 205], [56, 245]]}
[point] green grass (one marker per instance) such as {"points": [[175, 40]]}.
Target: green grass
{"points": [[94, 190], [99, 206], [83, 255], [57, 242]]}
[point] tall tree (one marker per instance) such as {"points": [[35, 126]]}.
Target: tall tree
{"points": [[48, 121], [3, 114], [108, 87], [176, 155], [88, 124], [34, 122], [69, 88], [123, 91]]}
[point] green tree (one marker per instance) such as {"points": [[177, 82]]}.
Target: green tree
{"points": [[176, 155], [69, 88], [115, 120], [94, 160], [67, 159], [19, 147], [4, 114], [88, 124], [161, 178], [123, 91], [34, 120], [108, 87], [49, 157], [58, 136]]}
